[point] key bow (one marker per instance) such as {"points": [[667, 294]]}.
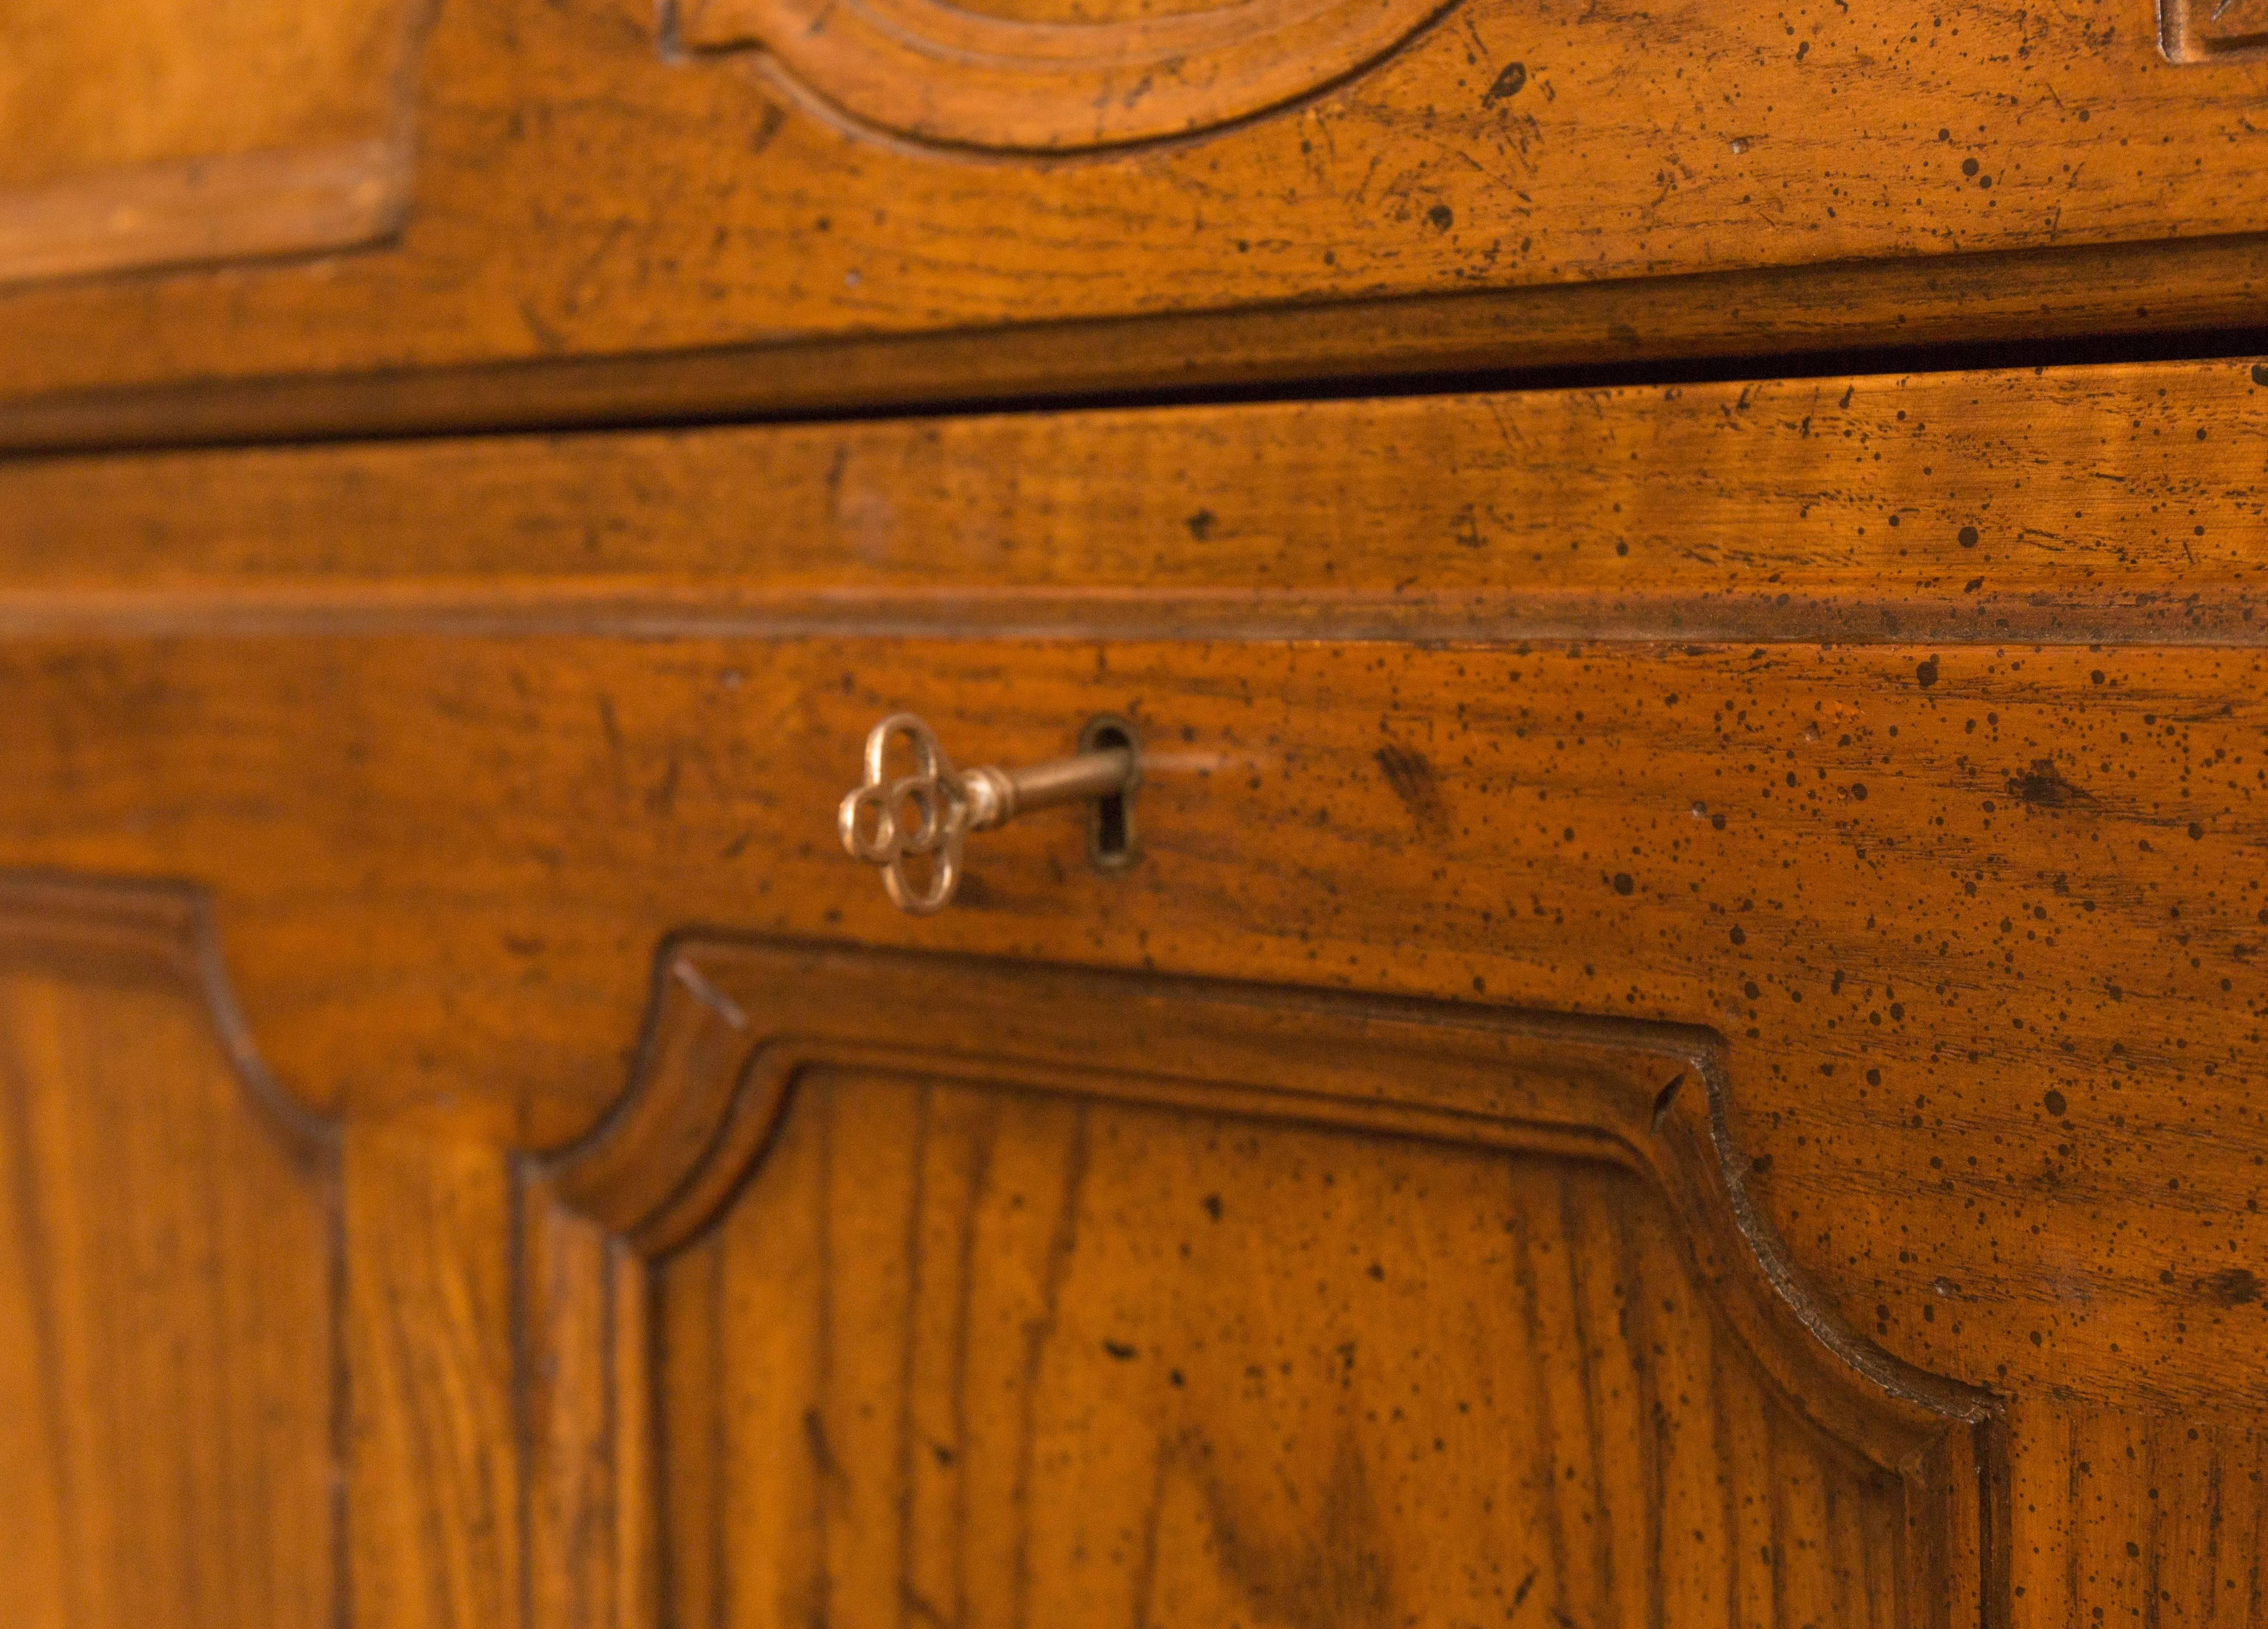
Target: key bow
{"points": [[935, 798]]}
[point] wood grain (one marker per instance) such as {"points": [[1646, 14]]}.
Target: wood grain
{"points": [[1968, 900], [1065, 81], [2113, 505], [581, 193], [436, 1470], [2114, 291], [169, 1253], [1185, 1303], [555, 790], [2140, 1518]]}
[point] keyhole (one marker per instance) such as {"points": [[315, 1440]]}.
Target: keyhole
{"points": [[1110, 823]]}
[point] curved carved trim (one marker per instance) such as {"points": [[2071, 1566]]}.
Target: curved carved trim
{"points": [[101, 928], [324, 164], [939, 73], [173, 1125], [733, 1025]]}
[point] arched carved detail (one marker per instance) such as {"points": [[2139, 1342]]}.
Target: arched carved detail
{"points": [[735, 1025], [108, 930], [966, 76], [171, 1278]]}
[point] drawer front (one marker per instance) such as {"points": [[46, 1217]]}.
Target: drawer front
{"points": [[1679, 1040], [535, 181]]}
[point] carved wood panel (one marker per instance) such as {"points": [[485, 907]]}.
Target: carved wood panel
{"points": [[2195, 31], [169, 1346], [916, 1288], [1041, 78], [584, 194], [165, 132]]}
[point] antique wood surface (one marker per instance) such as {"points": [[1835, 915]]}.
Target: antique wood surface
{"points": [[584, 186], [2119, 505], [169, 1285], [1062, 1297], [135, 134], [433, 1490], [2201, 290], [1900, 734], [1035, 76]]}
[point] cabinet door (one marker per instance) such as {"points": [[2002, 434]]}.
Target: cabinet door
{"points": [[171, 1372], [142, 133], [1703, 942], [913, 1288]]}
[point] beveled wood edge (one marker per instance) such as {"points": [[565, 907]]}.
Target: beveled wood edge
{"points": [[215, 211], [196, 211], [2225, 617], [133, 931], [136, 932], [714, 1080], [1768, 320]]}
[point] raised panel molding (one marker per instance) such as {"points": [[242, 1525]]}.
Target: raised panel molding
{"points": [[137, 134], [921, 1284], [1001, 77], [2197, 31], [170, 1284]]}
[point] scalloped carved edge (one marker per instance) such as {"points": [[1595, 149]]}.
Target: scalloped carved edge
{"points": [[733, 1023], [114, 929], [941, 75], [161, 934]]}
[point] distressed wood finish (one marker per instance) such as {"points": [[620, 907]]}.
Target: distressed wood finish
{"points": [[2196, 288], [2117, 505], [1035, 78], [1945, 846], [1682, 1047], [434, 1487], [1066, 1297], [138, 133], [581, 192], [169, 1258]]}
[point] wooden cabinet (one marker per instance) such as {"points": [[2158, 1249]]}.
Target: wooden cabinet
{"points": [[170, 1347], [612, 210], [1080, 1297], [1679, 1047], [1671, 1038]]}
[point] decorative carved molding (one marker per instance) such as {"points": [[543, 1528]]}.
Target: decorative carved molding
{"points": [[2199, 31], [131, 139], [171, 1280], [735, 1027], [239, 207], [114, 931], [967, 77]]}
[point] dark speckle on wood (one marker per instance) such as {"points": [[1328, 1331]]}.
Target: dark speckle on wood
{"points": [[1507, 84], [2043, 786], [1412, 777], [2231, 1287]]}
